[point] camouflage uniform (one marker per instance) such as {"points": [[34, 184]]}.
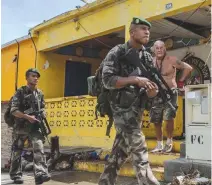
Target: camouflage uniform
{"points": [[129, 139], [23, 130], [160, 112]]}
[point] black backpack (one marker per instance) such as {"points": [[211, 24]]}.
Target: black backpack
{"points": [[96, 88], [8, 117]]}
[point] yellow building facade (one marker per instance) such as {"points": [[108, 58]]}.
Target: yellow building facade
{"points": [[84, 36], [16, 58]]}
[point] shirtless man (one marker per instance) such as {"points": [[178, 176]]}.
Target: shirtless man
{"points": [[167, 66]]}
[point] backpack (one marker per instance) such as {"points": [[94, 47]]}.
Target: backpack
{"points": [[8, 117], [96, 88]]}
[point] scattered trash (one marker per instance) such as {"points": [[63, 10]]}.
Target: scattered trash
{"points": [[53, 160], [62, 165], [92, 155], [192, 178], [104, 154]]}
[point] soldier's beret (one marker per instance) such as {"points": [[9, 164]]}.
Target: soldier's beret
{"points": [[137, 20], [32, 70]]}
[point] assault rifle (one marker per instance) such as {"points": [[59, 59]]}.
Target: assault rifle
{"points": [[149, 71], [43, 123]]}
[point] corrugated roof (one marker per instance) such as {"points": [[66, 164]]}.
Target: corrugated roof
{"points": [[163, 28], [201, 17]]}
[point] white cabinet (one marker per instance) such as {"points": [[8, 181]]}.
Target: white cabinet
{"points": [[198, 121]]}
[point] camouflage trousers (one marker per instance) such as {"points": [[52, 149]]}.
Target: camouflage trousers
{"points": [[129, 140], [39, 160]]}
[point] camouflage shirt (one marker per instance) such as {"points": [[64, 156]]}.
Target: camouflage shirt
{"points": [[27, 100], [113, 67]]}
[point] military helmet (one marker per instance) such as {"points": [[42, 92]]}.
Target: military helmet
{"points": [[32, 70]]}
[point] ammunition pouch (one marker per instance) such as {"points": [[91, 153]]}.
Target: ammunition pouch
{"points": [[126, 97], [103, 106]]}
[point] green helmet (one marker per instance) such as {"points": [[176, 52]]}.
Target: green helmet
{"points": [[32, 70]]}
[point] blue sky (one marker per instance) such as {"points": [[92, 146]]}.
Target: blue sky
{"points": [[18, 16]]}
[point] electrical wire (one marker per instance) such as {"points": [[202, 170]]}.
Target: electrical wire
{"points": [[165, 36], [108, 46], [209, 56], [36, 51], [188, 17], [180, 25], [95, 38], [17, 65]]}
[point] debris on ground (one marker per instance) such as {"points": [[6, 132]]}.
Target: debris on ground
{"points": [[64, 165], [64, 162], [192, 178], [58, 161]]}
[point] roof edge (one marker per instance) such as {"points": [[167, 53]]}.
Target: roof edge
{"points": [[73, 14], [26, 37]]}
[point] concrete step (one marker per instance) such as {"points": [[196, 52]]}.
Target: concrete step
{"points": [[156, 159], [126, 170], [151, 144]]}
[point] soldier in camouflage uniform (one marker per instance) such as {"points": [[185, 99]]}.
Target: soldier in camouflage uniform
{"points": [[127, 108], [26, 127]]}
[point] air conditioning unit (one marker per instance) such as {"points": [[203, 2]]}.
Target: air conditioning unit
{"points": [[198, 121]]}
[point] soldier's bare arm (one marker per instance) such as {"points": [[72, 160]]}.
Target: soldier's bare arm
{"points": [[186, 68]]}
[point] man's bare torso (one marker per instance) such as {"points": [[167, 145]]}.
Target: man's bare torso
{"points": [[167, 70]]}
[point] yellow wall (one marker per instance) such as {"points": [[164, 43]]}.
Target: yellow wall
{"points": [[52, 80], [26, 60], [120, 13], [73, 120]]}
